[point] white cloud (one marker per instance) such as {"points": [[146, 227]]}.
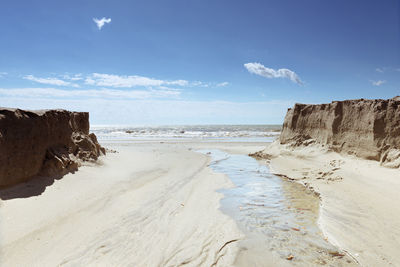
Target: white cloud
{"points": [[50, 81], [222, 84], [2, 74], [119, 81], [89, 93], [379, 70], [75, 77], [199, 84], [377, 83], [129, 81], [207, 84], [161, 112], [261, 70], [100, 22]]}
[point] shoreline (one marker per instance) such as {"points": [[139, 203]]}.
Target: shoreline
{"points": [[358, 211], [329, 238], [142, 175], [278, 217]]}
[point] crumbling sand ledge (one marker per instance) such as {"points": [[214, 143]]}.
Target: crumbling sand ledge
{"points": [[369, 129], [340, 150], [44, 142]]}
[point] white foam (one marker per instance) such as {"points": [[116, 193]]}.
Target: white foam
{"points": [[258, 133]]}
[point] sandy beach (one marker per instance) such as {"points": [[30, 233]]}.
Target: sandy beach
{"points": [[147, 205], [358, 210], [200, 133], [157, 204]]}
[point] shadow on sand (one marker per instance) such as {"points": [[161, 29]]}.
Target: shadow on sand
{"points": [[34, 187]]}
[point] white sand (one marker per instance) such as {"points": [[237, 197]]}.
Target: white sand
{"points": [[148, 205], [157, 205], [360, 209]]}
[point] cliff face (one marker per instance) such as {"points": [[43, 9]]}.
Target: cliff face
{"points": [[367, 128], [49, 142]]}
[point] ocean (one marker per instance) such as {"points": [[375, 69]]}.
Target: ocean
{"points": [[222, 133]]}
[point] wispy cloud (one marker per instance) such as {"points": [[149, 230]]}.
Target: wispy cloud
{"points": [[207, 84], [199, 84], [377, 83], [100, 22], [379, 70], [75, 77], [161, 111], [129, 81], [90, 93], [2, 74], [223, 84], [50, 81], [259, 69], [119, 81]]}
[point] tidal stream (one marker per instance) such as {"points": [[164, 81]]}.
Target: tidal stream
{"points": [[278, 217]]}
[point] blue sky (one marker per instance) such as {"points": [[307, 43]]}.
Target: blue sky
{"points": [[196, 62]]}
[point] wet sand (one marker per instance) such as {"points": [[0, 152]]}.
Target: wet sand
{"points": [[144, 206], [277, 216], [155, 204], [359, 199]]}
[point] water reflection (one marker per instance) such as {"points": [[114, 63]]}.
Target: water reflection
{"points": [[276, 215]]}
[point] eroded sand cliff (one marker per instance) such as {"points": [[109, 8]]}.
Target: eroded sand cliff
{"points": [[366, 128], [48, 142], [358, 209]]}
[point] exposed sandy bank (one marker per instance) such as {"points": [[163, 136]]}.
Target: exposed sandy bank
{"points": [[369, 129], [44, 143], [153, 205], [360, 209]]}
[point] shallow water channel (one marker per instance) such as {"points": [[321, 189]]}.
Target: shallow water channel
{"points": [[278, 217]]}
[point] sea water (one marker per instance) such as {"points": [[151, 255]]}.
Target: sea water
{"points": [[220, 133]]}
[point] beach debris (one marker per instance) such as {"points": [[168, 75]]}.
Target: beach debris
{"points": [[260, 155], [290, 257], [336, 254], [108, 150], [255, 204], [333, 179], [321, 262], [129, 131], [303, 209], [295, 229]]}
